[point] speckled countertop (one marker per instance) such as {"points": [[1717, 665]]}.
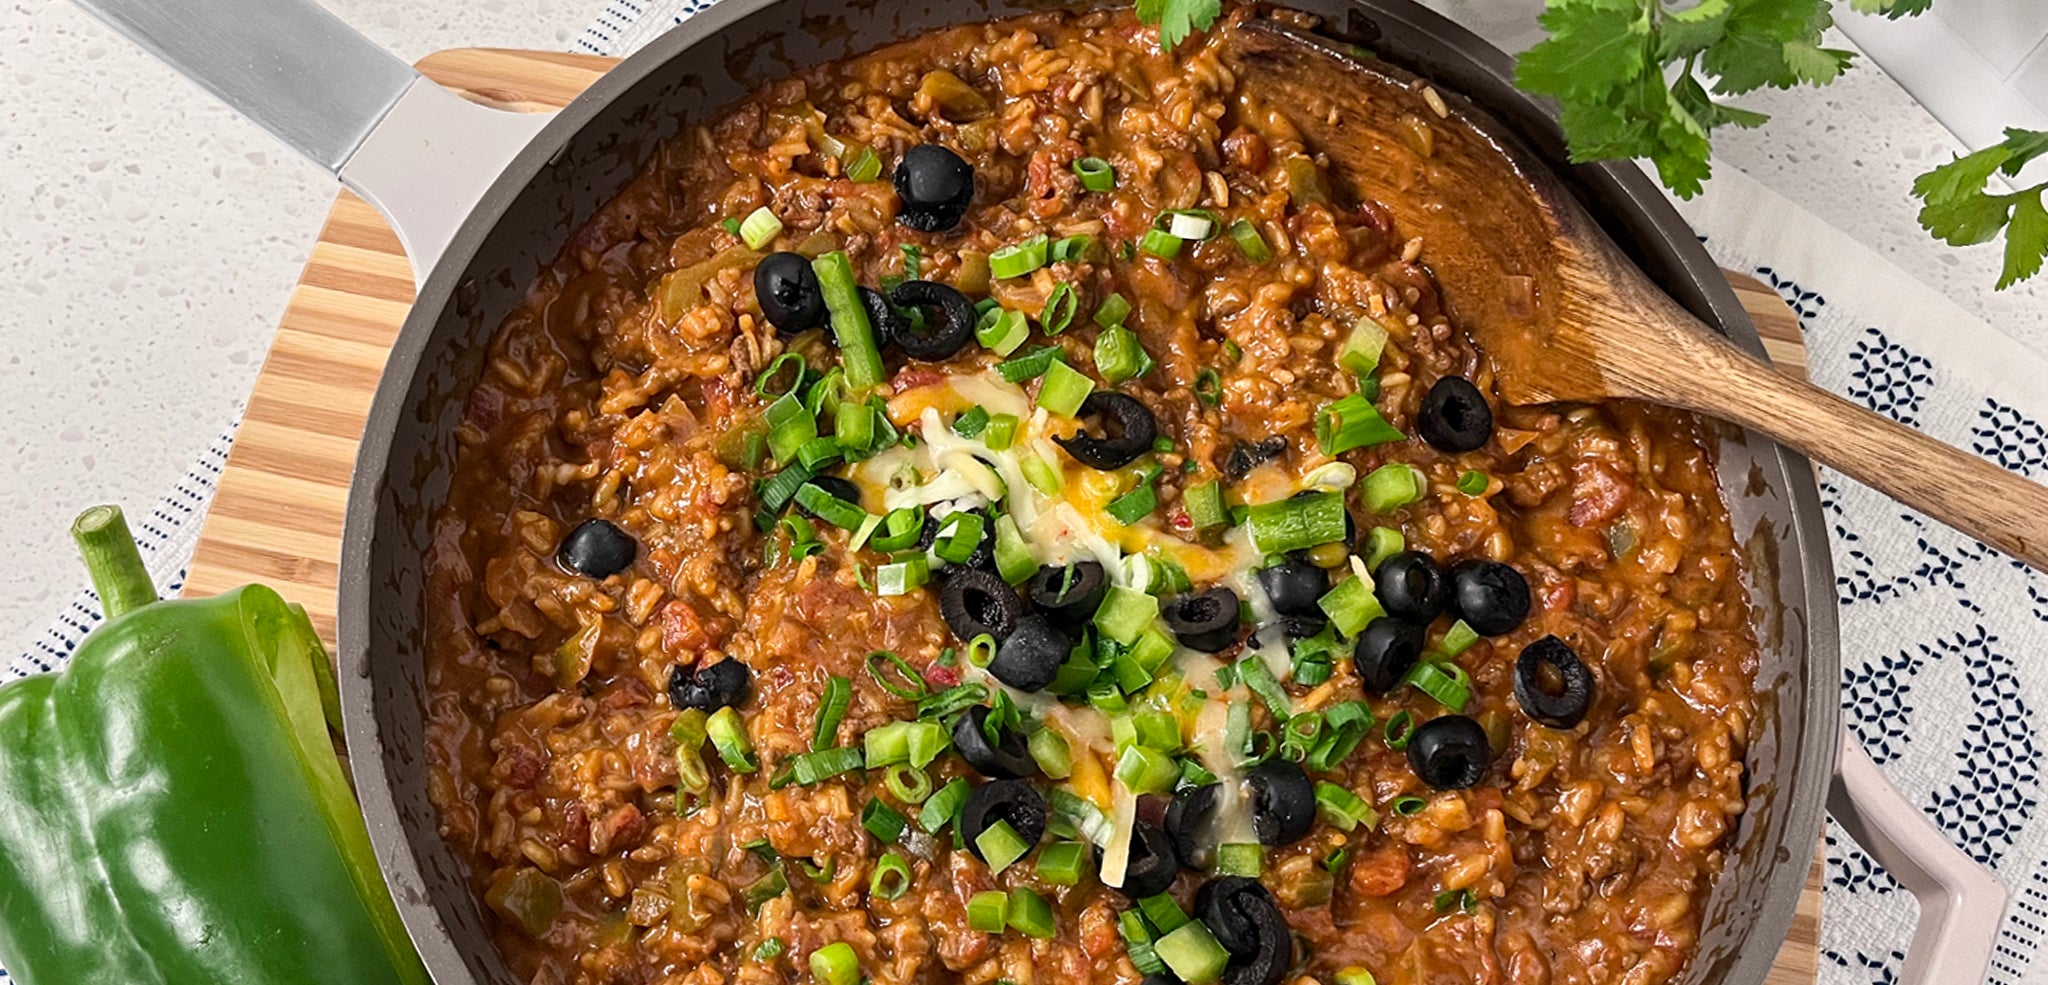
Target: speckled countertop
{"points": [[150, 238]]}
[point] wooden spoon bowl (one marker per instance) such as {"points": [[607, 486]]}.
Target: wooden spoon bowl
{"points": [[1560, 312]]}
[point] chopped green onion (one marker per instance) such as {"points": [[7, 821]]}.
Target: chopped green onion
{"points": [[1209, 387], [1061, 863], [729, 737], [1473, 482], [835, 964], [1344, 727], [730, 224], [1352, 422], [1458, 899], [941, 808], [913, 258], [1409, 806], [1163, 913], [908, 685], [1118, 354], [972, 422], [1143, 770], [1315, 658], [903, 576], [882, 821], [1044, 476], [1031, 915], [1001, 845], [790, 425], [1130, 924], [1298, 735], [1103, 693], [1112, 311], [988, 911], [1240, 858], [1355, 975], [1095, 173], [853, 427], [1003, 333], [1014, 561], [770, 949], [907, 783], [1069, 248], [1160, 243], [1458, 639], [1296, 523], [981, 650], [865, 167], [1361, 351], [766, 888], [1125, 613], [829, 508], [831, 708], [899, 530], [959, 697], [1059, 309], [849, 317], [1351, 605], [1252, 671], [1031, 365], [1001, 433], [1448, 683], [1343, 809], [1134, 505], [1064, 389], [807, 768], [959, 536], [1382, 543], [1131, 676], [765, 384], [1086, 819], [1050, 751], [1190, 224], [1393, 485], [1018, 259], [1399, 730], [818, 454], [1151, 650], [916, 743], [688, 732], [1191, 951], [892, 877], [760, 228], [1248, 239], [1204, 505]]}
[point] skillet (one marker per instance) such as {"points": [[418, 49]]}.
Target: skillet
{"points": [[483, 199]]}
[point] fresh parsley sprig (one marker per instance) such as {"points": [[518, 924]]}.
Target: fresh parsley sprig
{"points": [[1176, 19], [1961, 210]]}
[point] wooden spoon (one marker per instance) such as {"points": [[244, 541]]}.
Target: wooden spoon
{"points": [[1560, 311]]}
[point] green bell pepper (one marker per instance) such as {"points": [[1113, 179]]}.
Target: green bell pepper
{"points": [[171, 806]]}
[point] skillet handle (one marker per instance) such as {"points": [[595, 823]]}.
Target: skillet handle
{"points": [[1962, 904], [421, 154]]}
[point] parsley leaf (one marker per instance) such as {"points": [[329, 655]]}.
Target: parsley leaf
{"points": [[1893, 9], [1961, 210], [1176, 19]]}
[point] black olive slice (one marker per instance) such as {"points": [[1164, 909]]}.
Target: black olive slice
{"points": [[1204, 620], [1191, 823], [1068, 594], [1245, 457], [943, 335], [1449, 753], [720, 685], [1128, 431], [597, 548], [1246, 920], [840, 489], [1412, 586], [1154, 863], [787, 289], [1387, 649], [883, 319], [1283, 802], [936, 187], [974, 602], [1002, 800], [1007, 758], [1492, 598], [1294, 586], [1031, 657], [1559, 704], [984, 556], [1454, 416], [1301, 626]]}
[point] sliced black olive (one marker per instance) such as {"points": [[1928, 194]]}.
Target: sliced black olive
{"points": [[936, 187], [1204, 620], [943, 336], [1159, 978], [1454, 416], [883, 319], [1246, 920], [1002, 800], [840, 488], [974, 602], [1069, 594], [1301, 626], [1128, 431], [1245, 457], [1191, 823], [1412, 586], [1492, 598], [1154, 863], [787, 289], [719, 685], [1007, 758], [597, 548], [984, 556], [1031, 657], [1559, 702], [1449, 753], [1283, 802], [1294, 586], [1386, 651]]}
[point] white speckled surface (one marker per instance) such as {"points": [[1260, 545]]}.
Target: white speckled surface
{"points": [[150, 238]]}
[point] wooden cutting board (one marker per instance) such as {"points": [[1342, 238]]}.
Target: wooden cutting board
{"points": [[278, 513]]}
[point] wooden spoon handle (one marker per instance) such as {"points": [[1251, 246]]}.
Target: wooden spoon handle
{"points": [[1955, 487]]}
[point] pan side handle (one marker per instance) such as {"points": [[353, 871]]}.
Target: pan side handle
{"points": [[1962, 904], [421, 154]]}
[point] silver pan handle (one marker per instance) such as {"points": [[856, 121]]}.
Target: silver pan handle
{"points": [[1961, 903], [421, 154]]}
